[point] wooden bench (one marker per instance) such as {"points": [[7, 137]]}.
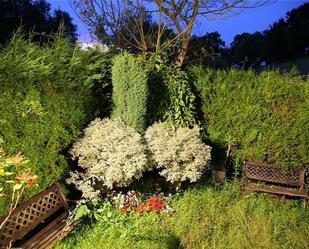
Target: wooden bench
{"points": [[284, 182], [37, 223]]}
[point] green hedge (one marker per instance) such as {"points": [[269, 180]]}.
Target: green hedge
{"points": [[46, 98], [263, 116]]}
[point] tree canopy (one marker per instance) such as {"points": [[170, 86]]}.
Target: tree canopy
{"points": [[35, 16], [204, 50], [249, 49], [286, 38]]}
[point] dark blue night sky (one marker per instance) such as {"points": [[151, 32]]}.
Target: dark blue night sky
{"points": [[250, 20]]}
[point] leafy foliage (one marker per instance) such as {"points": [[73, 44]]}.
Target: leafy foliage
{"points": [[181, 105], [130, 92], [17, 184], [45, 100], [8, 165], [263, 116], [97, 77], [171, 98], [111, 153], [180, 154]]}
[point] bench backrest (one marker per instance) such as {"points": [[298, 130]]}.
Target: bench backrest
{"points": [[274, 174], [31, 213]]}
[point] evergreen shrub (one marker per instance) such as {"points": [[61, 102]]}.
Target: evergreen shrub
{"points": [[264, 117], [130, 92]]}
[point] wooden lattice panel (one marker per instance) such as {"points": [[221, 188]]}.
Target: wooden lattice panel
{"points": [[266, 172], [30, 214]]}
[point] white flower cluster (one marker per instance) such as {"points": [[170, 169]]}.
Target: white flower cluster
{"points": [[180, 154], [111, 153], [85, 185]]}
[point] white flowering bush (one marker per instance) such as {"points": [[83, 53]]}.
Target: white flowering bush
{"points": [[111, 154], [179, 154]]}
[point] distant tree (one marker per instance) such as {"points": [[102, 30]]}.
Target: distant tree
{"points": [[205, 49], [32, 15], [278, 38], [143, 35], [57, 18], [249, 49], [298, 26], [289, 37], [182, 15]]}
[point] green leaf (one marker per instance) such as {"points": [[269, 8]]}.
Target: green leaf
{"points": [[10, 181], [6, 173], [18, 186], [82, 212]]}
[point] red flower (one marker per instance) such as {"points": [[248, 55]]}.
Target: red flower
{"points": [[31, 181], [154, 204], [140, 209], [124, 208]]}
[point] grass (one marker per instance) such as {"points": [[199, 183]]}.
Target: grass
{"points": [[219, 216]]}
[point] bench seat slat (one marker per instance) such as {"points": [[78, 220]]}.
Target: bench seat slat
{"points": [[46, 232], [56, 235], [275, 190]]}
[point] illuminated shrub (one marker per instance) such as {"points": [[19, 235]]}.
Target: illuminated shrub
{"points": [[179, 154], [111, 153]]}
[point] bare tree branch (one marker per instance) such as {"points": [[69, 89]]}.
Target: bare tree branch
{"points": [[112, 19]]}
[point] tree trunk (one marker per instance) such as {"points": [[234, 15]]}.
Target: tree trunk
{"points": [[227, 158], [182, 54]]}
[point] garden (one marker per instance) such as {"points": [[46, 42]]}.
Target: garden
{"points": [[134, 143], [159, 134]]}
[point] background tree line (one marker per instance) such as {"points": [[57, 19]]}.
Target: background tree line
{"points": [[286, 38], [35, 17], [147, 26], [165, 27]]}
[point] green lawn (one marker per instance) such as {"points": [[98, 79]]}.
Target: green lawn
{"points": [[216, 216]]}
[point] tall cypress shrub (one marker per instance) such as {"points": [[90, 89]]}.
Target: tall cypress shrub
{"points": [[130, 92]]}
